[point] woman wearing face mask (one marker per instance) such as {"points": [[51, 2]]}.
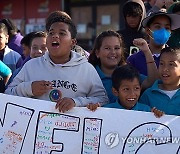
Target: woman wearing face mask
{"points": [[158, 27]]}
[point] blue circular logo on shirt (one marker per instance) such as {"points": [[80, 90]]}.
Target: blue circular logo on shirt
{"points": [[55, 95]]}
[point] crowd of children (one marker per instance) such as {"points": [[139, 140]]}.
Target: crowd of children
{"points": [[54, 68]]}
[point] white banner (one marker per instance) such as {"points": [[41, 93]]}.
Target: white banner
{"points": [[30, 126]]}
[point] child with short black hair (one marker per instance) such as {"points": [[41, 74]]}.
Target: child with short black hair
{"points": [[165, 93], [38, 44], [57, 75], [26, 44], [53, 15], [58, 13], [126, 86]]}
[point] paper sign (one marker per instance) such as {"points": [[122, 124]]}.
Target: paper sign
{"points": [[31, 126]]}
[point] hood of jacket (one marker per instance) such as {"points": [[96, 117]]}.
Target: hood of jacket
{"points": [[76, 59], [140, 2]]}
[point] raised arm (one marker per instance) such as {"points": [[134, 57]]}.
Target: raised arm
{"points": [[152, 70]]}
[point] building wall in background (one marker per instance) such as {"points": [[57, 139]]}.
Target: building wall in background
{"points": [[90, 16], [28, 15]]}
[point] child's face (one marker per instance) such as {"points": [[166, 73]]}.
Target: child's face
{"points": [[110, 52], [26, 50], [38, 47], [59, 42], [133, 21], [3, 40], [128, 93], [169, 71], [158, 23]]}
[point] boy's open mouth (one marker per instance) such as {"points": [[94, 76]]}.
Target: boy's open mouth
{"points": [[55, 44]]}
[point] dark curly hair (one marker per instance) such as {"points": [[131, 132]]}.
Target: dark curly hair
{"points": [[60, 16], [12, 28], [132, 9], [125, 72], [175, 50]]}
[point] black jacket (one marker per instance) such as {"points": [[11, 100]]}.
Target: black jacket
{"points": [[129, 34]]}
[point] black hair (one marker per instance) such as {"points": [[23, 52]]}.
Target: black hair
{"points": [[61, 17], [98, 43], [175, 50], [12, 29], [132, 9], [4, 28], [26, 40], [176, 7], [153, 18], [125, 72], [38, 34], [53, 15]]}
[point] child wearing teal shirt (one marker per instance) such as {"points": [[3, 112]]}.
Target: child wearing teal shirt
{"points": [[126, 86], [108, 54], [165, 93], [107, 83], [136, 107]]}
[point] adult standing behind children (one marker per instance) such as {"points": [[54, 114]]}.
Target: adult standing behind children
{"points": [[134, 12], [158, 27], [57, 75]]}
